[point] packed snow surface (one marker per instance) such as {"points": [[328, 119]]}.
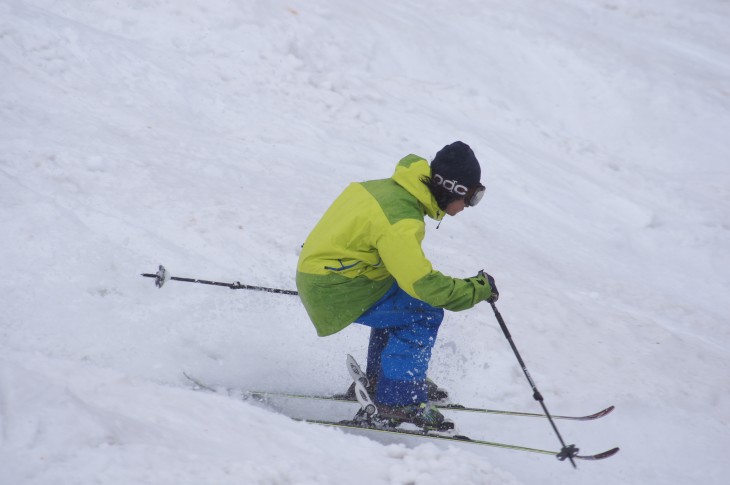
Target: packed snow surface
{"points": [[209, 136]]}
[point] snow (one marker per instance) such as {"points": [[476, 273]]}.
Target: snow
{"points": [[209, 136]]}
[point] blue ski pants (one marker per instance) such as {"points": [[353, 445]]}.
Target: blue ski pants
{"points": [[403, 333]]}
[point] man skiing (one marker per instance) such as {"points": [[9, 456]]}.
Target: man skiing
{"points": [[363, 263]]}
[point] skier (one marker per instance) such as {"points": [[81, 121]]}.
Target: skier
{"points": [[363, 263]]}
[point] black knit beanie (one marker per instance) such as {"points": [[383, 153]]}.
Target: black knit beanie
{"points": [[454, 165]]}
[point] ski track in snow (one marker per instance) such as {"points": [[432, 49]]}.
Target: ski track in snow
{"points": [[210, 136]]}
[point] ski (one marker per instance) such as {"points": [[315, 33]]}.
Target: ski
{"points": [[365, 426], [354, 425], [448, 407], [341, 398]]}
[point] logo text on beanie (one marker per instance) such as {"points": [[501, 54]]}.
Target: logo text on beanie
{"points": [[450, 185]]}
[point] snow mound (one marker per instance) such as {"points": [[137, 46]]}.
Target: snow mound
{"points": [[65, 422]]}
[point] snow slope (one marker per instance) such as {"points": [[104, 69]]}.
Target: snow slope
{"points": [[210, 136]]}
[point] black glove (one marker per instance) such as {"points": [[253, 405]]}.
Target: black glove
{"points": [[492, 285]]}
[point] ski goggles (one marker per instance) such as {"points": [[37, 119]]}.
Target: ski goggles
{"points": [[471, 196], [474, 195]]}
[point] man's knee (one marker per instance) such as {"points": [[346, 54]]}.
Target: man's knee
{"points": [[434, 316]]}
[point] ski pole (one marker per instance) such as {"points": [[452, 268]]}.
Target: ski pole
{"points": [[567, 451], [162, 276]]}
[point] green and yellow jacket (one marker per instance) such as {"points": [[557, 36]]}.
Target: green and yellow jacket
{"points": [[369, 238]]}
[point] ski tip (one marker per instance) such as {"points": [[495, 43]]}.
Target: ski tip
{"points": [[601, 413], [601, 456]]}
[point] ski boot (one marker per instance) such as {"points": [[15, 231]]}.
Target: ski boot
{"points": [[424, 415]]}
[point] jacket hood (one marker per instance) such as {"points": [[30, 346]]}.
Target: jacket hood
{"points": [[409, 174]]}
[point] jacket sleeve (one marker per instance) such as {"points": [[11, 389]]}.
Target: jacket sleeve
{"points": [[402, 254]]}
